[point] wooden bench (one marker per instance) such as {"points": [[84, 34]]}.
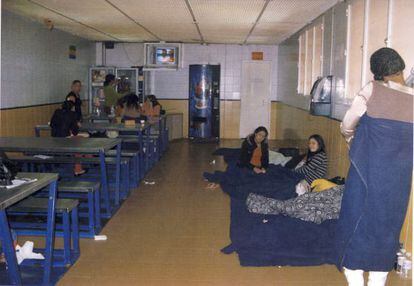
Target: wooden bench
{"points": [[67, 208]]}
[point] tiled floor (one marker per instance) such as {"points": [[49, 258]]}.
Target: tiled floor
{"points": [[171, 233]]}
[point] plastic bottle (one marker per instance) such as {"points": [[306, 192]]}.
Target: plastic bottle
{"points": [[399, 254], [406, 269], [112, 110], [400, 263]]}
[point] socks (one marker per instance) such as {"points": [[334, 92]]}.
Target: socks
{"points": [[377, 278], [356, 278]]}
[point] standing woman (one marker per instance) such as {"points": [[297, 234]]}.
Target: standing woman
{"points": [[111, 95], [380, 125], [255, 151]]}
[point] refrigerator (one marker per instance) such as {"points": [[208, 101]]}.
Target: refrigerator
{"points": [[131, 80], [204, 102], [96, 80]]}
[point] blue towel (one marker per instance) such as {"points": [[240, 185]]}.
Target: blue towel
{"points": [[376, 195]]}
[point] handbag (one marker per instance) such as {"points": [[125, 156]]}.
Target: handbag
{"points": [[8, 171]]}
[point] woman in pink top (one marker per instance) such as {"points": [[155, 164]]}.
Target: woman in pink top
{"points": [[387, 67], [378, 97]]}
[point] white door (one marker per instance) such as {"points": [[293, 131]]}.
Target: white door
{"points": [[255, 96]]}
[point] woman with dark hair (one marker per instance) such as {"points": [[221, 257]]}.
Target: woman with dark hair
{"points": [[130, 107], [380, 125], [64, 122], [255, 151], [315, 164], [387, 67], [74, 95], [151, 107]]}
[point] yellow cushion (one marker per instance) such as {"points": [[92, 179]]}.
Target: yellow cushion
{"points": [[320, 185]]}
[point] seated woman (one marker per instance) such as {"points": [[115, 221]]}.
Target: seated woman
{"points": [[130, 107], [315, 164], [151, 107], [64, 123], [254, 153], [314, 207]]}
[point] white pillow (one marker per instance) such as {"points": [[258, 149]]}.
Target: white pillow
{"points": [[277, 158]]}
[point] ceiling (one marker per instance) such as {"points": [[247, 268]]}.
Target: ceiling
{"points": [[189, 21]]}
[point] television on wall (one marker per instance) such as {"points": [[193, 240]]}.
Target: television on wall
{"points": [[162, 56]]}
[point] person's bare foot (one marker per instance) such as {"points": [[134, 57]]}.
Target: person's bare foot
{"points": [[212, 186]]}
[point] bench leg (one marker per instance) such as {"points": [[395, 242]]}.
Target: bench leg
{"points": [[75, 230], [124, 179], [50, 234], [66, 238], [104, 183], [8, 248], [118, 174], [97, 210], [91, 212]]}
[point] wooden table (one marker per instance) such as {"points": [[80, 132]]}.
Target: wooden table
{"points": [[12, 196], [74, 145]]}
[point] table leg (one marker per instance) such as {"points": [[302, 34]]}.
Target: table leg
{"points": [[50, 233], [140, 156], [8, 248], [147, 148], [118, 174], [104, 182]]}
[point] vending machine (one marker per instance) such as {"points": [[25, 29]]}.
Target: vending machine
{"points": [[204, 102]]}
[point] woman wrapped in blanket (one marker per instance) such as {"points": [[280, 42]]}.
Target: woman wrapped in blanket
{"points": [[254, 153], [380, 115]]}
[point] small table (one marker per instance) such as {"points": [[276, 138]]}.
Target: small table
{"points": [[74, 145], [9, 197]]}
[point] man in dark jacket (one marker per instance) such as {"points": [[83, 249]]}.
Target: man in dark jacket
{"points": [[74, 95]]}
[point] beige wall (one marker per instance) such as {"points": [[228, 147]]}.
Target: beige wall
{"points": [[229, 116], [20, 122]]}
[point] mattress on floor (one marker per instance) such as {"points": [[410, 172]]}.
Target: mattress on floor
{"points": [[276, 240]]}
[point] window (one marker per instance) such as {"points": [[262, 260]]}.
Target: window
{"points": [[310, 57], [301, 64]]}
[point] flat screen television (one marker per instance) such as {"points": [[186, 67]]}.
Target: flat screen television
{"points": [[165, 56]]}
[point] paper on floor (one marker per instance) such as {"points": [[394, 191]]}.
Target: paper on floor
{"points": [[26, 252]]}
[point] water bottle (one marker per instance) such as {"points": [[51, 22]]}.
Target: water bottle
{"points": [[400, 263], [406, 269], [112, 110]]}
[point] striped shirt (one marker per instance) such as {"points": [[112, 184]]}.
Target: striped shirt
{"points": [[316, 168]]}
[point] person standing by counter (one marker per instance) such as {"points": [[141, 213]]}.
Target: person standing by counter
{"points": [[110, 93], [74, 95]]}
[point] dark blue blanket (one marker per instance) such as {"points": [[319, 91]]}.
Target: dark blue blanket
{"points": [[376, 195], [263, 240], [278, 182]]}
